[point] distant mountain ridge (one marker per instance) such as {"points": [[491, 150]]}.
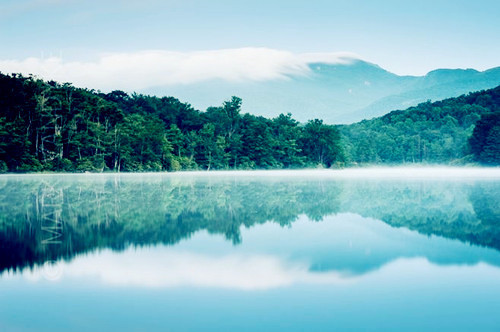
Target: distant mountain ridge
{"points": [[336, 93]]}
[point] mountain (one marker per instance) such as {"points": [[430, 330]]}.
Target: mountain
{"points": [[336, 93]]}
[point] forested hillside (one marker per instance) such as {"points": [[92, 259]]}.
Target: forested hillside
{"points": [[456, 130], [47, 126]]}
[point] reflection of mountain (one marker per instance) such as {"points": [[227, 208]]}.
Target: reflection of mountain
{"points": [[353, 245], [51, 217]]}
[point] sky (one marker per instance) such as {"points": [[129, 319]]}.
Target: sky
{"points": [[192, 40]]}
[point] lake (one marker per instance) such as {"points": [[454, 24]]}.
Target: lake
{"points": [[370, 249]]}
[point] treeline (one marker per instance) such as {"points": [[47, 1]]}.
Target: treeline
{"points": [[456, 130], [47, 126]]}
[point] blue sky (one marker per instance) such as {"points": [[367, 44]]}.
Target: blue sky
{"points": [[405, 37]]}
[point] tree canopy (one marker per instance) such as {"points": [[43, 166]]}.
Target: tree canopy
{"points": [[442, 132], [48, 126]]}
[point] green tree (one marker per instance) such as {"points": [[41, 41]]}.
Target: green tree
{"points": [[485, 139], [322, 143]]}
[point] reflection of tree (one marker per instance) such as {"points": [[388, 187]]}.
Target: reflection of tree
{"points": [[114, 211], [117, 211], [486, 203], [444, 208]]}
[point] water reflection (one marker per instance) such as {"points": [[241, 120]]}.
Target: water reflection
{"points": [[148, 268], [172, 268], [52, 217]]}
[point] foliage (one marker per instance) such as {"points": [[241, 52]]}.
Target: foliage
{"points": [[485, 140], [436, 132], [47, 126]]}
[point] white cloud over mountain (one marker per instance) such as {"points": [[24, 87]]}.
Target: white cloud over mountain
{"points": [[141, 70]]}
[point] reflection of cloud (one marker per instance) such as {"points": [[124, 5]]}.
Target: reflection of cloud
{"points": [[140, 70], [168, 268]]}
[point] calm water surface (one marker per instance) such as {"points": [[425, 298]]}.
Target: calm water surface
{"points": [[315, 250]]}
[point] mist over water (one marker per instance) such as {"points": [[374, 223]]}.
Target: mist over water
{"points": [[366, 172]]}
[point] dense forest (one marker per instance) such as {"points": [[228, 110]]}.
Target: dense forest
{"points": [[57, 127], [48, 126], [452, 131]]}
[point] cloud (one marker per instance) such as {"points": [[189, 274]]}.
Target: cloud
{"points": [[330, 58], [145, 69]]}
